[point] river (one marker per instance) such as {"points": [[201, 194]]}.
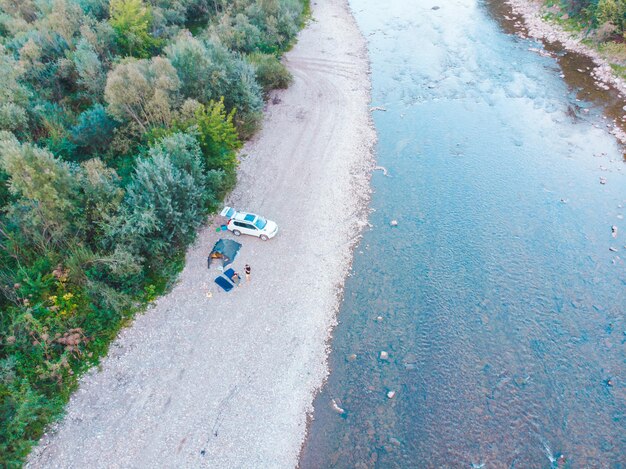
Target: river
{"points": [[500, 294]]}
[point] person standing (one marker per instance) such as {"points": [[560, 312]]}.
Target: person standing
{"points": [[247, 269]]}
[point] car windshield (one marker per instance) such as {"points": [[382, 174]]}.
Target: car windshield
{"points": [[260, 223]]}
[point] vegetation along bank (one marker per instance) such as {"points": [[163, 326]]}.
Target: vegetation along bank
{"points": [[596, 28], [120, 122]]}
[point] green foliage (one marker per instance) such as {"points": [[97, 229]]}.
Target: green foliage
{"points": [[613, 12], [208, 71], [166, 199], [143, 92], [270, 72], [266, 26], [45, 192], [13, 95], [131, 20], [93, 132], [91, 72], [219, 141]]}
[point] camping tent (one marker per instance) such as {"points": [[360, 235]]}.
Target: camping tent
{"points": [[226, 250]]}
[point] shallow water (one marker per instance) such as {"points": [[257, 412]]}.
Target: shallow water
{"points": [[501, 304]]}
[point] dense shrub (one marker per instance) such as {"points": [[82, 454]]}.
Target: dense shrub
{"points": [[270, 72], [209, 71]]}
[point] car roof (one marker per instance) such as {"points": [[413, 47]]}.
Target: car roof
{"points": [[244, 216]]}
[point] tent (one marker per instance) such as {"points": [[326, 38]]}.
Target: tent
{"points": [[226, 250]]}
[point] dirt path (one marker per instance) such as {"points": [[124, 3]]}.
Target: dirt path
{"points": [[226, 381]]}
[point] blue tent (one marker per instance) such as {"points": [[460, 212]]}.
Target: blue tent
{"points": [[226, 250]]}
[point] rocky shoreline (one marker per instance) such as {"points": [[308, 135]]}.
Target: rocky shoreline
{"points": [[534, 25]]}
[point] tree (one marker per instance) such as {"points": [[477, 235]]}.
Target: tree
{"points": [[209, 71], [165, 200], [94, 130], [101, 197], [142, 91], [45, 191], [13, 95], [91, 73], [131, 20]]}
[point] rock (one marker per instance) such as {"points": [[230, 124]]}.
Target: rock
{"points": [[602, 180], [614, 231], [384, 355], [391, 394], [379, 319], [336, 408], [393, 222], [612, 249]]}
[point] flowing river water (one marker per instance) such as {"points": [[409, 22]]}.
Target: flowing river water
{"points": [[500, 295]]}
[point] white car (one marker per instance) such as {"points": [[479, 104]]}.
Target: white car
{"points": [[249, 223]]}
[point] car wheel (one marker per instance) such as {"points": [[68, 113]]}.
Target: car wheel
{"points": [[236, 232], [263, 237]]}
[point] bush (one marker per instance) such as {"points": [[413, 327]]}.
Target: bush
{"points": [[94, 131], [131, 20], [270, 72], [166, 198], [208, 71]]}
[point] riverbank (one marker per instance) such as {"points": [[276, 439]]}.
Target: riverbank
{"points": [[226, 379], [532, 12]]}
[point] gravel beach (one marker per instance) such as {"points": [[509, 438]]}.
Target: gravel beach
{"points": [[226, 380]]}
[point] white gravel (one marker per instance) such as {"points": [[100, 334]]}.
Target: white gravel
{"points": [[227, 381]]}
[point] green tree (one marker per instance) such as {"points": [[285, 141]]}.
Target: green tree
{"points": [[45, 191], [93, 131], [614, 12], [209, 71], [270, 72], [131, 20], [91, 73], [166, 199], [143, 91], [101, 197], [13, 94]]}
